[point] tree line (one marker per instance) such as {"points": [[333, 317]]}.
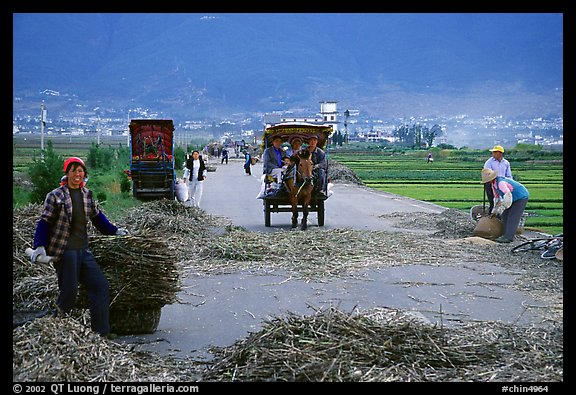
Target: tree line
{"points": [[415, 136]]}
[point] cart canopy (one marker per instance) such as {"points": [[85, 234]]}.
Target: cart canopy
{"points": [[290, 130]]}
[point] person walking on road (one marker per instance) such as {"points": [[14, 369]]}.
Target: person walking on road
{"points": [[195, 174], [224, 156], [62, 232], [247, 163], [500, 165], [511, 198]]}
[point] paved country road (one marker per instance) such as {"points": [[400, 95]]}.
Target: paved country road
{"points": [[230, 193], [217, 310]]}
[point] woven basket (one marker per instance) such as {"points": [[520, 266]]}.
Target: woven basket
{"points": [[134, 321]]}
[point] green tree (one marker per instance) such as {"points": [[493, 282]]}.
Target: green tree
{"points": [[45, 173], [431, 134], [100, 158], [418, 134], [404, 135]]}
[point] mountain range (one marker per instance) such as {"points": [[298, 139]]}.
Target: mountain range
{"points": [[385, 65]]}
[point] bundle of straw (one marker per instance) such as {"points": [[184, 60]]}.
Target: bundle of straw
{"points": [[141, 271]]}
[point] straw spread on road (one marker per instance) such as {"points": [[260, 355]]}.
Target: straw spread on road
{"points": [[329, 345]]}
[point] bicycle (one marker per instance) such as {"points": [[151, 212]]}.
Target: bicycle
{"points": [[549, 245]]}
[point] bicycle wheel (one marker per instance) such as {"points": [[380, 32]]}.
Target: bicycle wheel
{"points": [[550, 253], [531, 245]]}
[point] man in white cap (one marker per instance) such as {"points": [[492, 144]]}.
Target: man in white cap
{"points": [[501, 166]]}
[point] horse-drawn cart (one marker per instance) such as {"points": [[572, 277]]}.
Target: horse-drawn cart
{"points": [[280, 202]]}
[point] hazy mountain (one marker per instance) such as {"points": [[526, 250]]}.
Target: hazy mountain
{"points": [[384, 64]]}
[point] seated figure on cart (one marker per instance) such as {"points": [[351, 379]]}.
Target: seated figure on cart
{"points": [[273, 159], [320, 165], [273, 167]]}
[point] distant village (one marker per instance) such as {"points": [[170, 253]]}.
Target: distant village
{"points": [[458, 131]]}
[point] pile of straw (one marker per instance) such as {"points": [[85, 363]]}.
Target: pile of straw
{"points": [[342, 174], [51, 349], [34, 285], [141, 270], [334, 346], [167, 239]]}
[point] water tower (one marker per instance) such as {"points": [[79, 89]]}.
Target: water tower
{"points": [[329, 114]]}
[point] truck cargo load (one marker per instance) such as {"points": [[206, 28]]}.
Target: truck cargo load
{"points": [[152, 158]]}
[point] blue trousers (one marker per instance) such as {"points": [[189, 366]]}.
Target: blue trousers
{"points": [[80, 267], [512, 216]]}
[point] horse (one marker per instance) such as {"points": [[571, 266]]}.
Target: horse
{"points": [[300, 186]]}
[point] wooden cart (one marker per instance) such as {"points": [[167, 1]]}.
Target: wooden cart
{"points": [[287, 131]]}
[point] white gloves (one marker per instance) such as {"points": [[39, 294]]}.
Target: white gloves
{"points": [[122, 232], [507, 200], [37, 252], [502, 203], [498, 208]]}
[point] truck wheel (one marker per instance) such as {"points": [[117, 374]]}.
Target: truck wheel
{"points": [[267, 214], [134, 191], [321, 213]]}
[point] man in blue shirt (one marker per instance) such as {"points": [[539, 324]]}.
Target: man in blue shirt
{"points": [[272, 158]]}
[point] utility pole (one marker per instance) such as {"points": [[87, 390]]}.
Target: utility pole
{"points": [[128, 133], [98, 130], [346, 116], [42, 124]]}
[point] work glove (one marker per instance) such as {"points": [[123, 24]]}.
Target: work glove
{"points": [[507, 199], [499, 209], [122, 232], [37, 252]]}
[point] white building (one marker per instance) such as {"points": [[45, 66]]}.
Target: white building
{"points": [[329, 113], [328, 116]]}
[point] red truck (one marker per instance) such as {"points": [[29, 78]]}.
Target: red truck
{"points": [[152, 158]]}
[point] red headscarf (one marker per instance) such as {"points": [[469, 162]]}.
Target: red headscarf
{"points": [[67, 163]]}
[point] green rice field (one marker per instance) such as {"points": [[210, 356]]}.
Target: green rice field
{"points": [[453, 181]]}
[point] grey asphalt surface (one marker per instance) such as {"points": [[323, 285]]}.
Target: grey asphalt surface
{"points": [[231, 194], [217, 310]]}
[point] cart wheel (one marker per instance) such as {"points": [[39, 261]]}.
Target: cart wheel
{"points": [[321, 213], [266, 214]]}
